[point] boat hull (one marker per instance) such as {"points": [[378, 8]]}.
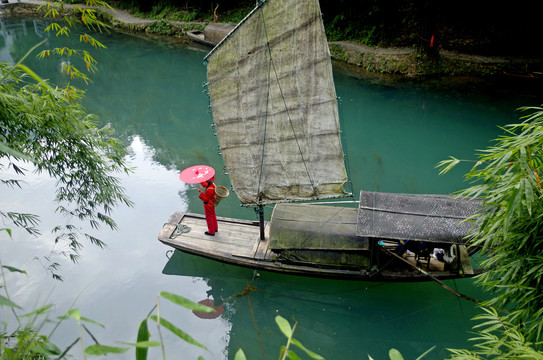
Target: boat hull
{"points": [[238, 243], [212, 34], [199, 37]]}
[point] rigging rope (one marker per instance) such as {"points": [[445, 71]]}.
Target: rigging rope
{"points": [[265, 130], [344, 145]]}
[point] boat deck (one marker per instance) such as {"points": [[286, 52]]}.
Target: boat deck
{"points": [[237, 241]]}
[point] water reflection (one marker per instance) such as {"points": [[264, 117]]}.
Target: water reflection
{"points": [[379, 315]]}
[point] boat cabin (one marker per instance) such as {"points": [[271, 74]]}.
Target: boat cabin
{"points": [[426, 231]]}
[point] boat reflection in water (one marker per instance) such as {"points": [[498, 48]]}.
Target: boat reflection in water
{"points": [[338, 319]]}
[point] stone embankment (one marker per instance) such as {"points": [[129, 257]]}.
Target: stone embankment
{"points": [[402, 61], [406, 61]]}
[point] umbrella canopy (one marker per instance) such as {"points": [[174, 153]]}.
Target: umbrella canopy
{"points": [[196, 174]]}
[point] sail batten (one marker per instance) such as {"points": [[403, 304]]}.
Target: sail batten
{"points": [[274, 106]]}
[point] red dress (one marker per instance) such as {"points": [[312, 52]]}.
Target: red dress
{"points": [[208, 197]]}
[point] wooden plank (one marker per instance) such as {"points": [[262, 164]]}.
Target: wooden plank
{"points": [[233, 237], [262, 247], [214, 243], [263, 250], [228, 231], [170, 226]]}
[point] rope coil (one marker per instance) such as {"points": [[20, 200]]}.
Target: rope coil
{"points": [[180, 229]]}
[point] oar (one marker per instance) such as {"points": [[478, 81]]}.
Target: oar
{"points": [[433, 278]]}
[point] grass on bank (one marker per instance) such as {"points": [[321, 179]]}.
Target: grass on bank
{"points": [[163, 10]]}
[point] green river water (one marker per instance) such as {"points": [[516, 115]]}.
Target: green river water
{"points": [[395, 131]]}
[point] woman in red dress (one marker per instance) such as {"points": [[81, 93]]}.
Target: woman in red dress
{"points": [[208, 197]]}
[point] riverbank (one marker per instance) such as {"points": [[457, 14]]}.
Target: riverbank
{"points": [[396, 61]]}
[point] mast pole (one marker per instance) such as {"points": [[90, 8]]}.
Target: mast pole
{"points": [[261, 219]]}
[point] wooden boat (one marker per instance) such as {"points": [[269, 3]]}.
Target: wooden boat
{"points": [[338, 242], [275, 113], [212, 34]]}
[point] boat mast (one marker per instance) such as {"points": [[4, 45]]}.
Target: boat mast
{"points": [[260, 211]]}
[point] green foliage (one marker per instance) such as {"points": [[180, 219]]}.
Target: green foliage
{"points": [[47, 126], [394, 354], [87, 16], [163, 27], [228, 11], [497, 339], [26, 341], [288, 331], [338, 53], [162, 10], [236, 15], [506, 177], [341, 28], [143, 336]]}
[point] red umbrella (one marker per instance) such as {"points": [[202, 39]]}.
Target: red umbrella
{"points": [[196, 174]]}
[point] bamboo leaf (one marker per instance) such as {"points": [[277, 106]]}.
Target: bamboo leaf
{"points": [[284, 326], [395, 354], [75, 313], [36, 77], [307, 351], [143, 335], [426, 353], [513, 201], [293, 356], [143, 344], [492, 328], [447, 165], [13, 269], [240, 355], [45, 348], [6, 229], [39, 311], [180, 333], [91, 321], [4, 301], [529, 195], [16, 154], [179, 300], [104, 349]]}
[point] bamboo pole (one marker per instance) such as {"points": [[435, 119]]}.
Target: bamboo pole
{"points": [[433, 278]]}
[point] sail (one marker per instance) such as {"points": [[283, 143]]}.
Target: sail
{"points": [[274, 105]]}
